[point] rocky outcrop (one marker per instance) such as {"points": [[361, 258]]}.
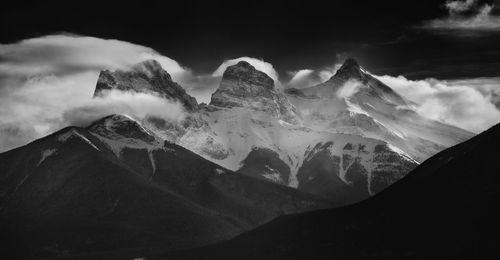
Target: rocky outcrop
{"points": [[144, 77], [242, 85]]}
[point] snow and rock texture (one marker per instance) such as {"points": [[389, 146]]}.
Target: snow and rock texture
{"points": [[117, 185], [354, 102], [148, 77], [244, 86], [446, 208], [345, 139]]}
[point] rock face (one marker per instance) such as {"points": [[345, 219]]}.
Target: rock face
{"points": [[116, 185], [147, 76], [244, 86]]}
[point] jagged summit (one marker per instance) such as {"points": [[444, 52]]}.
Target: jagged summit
{"points": [[350, 69], [244, 71], [242, 85], [146, 76], [350, 63], [151, 68], [118, 126]]}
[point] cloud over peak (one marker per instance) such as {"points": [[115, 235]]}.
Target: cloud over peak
{"points": [[466, 17], [259, 64]]}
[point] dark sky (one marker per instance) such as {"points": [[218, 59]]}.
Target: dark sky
{"points": [[383, 35]]}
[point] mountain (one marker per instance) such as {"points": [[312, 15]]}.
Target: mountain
{"points": [[355, 102], [116, 185], [446, 208], [147, 76], [343, 149]]}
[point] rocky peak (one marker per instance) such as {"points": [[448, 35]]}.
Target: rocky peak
{"points": [[350, 70], [244, 71], [242, 85], [145, 77], [119, 126]]}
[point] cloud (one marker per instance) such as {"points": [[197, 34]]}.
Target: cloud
{"points": [[307, 77], [43, 81], [259, 64], [66, 54], [349, 88], [460, 20], [466, 103], [136, 105], [459, 6]]}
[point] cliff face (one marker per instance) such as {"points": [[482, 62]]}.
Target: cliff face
{"points": [[147, 76], [244, 86]]}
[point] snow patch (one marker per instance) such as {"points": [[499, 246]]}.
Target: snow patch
{"points": [[220, 171], [74, 133], [272, 175], [46, 153]]}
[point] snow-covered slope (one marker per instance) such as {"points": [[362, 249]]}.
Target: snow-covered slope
{"points": [[345, 139], [355, 102]]}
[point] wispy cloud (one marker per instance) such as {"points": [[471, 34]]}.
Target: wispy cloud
{"points": [[467, 104], [307, 77], [466, 17], [259, 64]]}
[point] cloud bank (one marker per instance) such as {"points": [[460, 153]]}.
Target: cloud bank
{"points": [[307, 77], [472, 104], [259, 64], [460, 19], [47, 83], [468, 104]]}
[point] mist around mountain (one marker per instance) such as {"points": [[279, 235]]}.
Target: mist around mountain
{"points": [[254, 153], [345, 139]]}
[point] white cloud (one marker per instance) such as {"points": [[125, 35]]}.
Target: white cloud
{"points": [[482, 21], [454, 102], [64, 54], [307, 77], [349, 88], [41, 79], [259, 64], [136, 105], [459, 6]]}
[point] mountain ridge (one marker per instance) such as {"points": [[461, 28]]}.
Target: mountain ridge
{"points": [[445, 208], [116, 185]]}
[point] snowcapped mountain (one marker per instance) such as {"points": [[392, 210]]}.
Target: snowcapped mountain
{"points": [[115, 184], [147, 76], [353, 101], [345, 139], [446, 208]]}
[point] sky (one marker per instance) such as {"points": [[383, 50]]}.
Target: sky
{"points": [[443, 55]]}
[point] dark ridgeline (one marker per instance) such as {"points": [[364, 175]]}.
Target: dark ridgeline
{"points": [[447, 208], [115, 186]]}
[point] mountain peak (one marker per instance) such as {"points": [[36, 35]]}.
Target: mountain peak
{"points": [[119, 126], [151, 68], [244, 71], [350, 63], [144, 77], [350, 69]]}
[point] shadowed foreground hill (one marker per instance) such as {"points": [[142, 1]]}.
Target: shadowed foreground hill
{"points": [[117, 186], [447, 208]]}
